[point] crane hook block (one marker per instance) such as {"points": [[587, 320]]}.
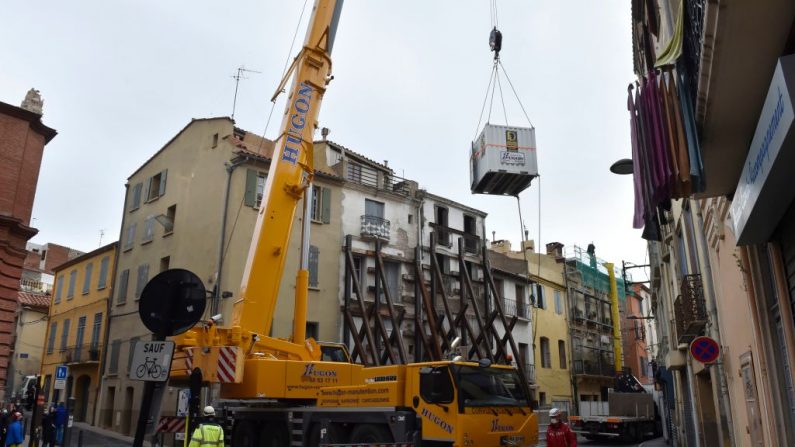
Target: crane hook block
{"points": [[495, 42]]}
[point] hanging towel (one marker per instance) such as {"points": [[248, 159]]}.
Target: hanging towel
{"points": [[670, 54], [693, 148]]}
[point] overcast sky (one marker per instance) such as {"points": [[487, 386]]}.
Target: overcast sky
{"points": [[120, 78]]}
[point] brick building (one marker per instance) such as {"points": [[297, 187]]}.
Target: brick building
{"points": [[22, 140]]}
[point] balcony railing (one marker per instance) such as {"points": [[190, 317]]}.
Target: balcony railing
{"points": [[379, 179], [445, 234], [690, 309], [81, 354], [375, 227], [530, 371], [520, 309], [33, 285], [593, 368], [692, 43]]}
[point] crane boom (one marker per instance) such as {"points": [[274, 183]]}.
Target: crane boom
{"points": [[289, 179]]}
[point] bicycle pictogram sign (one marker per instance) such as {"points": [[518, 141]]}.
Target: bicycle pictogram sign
{"points": [[704, 349]]}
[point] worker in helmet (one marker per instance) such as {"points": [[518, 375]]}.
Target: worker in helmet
{"points": [[208, 433], [558, 432]]}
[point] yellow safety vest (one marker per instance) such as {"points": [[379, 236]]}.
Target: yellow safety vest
{"points": [[207, 435]]}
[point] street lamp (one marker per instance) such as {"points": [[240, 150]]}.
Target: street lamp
{"points": [[622, 167]]}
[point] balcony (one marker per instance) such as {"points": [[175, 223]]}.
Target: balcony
{"points": [[530, 371], [81, 354], [445, 238], [374, 227], [690, 309], [520, 309], [593, 367], [382, 180]]}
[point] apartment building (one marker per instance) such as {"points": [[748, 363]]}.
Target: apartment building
{"points": [[76, 327]]}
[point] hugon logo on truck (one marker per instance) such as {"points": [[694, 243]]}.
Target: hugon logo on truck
{"points": [[495, 426], [310, 371], [292, 146]]}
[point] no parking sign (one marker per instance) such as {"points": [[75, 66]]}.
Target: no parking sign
{"points": [[704, 349]]}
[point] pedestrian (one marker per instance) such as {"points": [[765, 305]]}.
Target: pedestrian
{"points": [[15, 436], [209, 433], [558, 432], [60, 423], [48, 427]]}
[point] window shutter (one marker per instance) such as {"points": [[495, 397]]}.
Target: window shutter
{"points": [[136, 196], [51, 338], [103, 272], [113, 366], [121, 298], [146, 190], [250, 198], [326, 197], [163, 177], [87, 280], [59, 289], [314, 255]]}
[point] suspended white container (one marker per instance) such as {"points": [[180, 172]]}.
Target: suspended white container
{"points": [[503, 160]]}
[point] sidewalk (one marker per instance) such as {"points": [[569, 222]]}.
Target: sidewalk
{"points": [[657, 442], [97, 437]]}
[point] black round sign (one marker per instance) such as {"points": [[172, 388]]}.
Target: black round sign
{"points": [[172, 302]]}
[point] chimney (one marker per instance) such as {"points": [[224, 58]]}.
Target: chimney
{"points": [[33, 102], [529, 244], [502, 246], [555, 249]]}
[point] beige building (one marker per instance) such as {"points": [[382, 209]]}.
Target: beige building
{"points": [[207, 181], [29, 335]]}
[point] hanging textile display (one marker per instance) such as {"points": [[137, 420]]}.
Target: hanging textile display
{"points": [[666, 155]]}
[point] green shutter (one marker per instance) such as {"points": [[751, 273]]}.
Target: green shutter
{"points": [[163, 177], [251, 188], [326, 212], [146, 190]]}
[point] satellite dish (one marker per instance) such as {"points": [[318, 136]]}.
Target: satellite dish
{"points": [[172, 302]]}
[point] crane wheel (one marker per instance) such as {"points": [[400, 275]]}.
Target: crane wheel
{"points": [[369, 433], [244, 434], [273, 434]]}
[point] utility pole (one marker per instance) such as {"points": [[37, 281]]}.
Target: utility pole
{"points": [[237, 77]]}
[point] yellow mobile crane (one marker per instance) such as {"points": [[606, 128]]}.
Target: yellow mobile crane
{"points": [[292, 392]]}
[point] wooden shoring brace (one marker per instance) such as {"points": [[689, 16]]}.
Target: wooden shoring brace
{"points": [[501, 312], [461, 321], [435, 353], [468, 291], [485, 334], [357, 290], [380, 326], [396, 334], [419, 329], [358, 348], [501, 342], [396, 325], [436, 275]]}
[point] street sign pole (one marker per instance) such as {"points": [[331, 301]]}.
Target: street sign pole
{"points": [[146, 405]]}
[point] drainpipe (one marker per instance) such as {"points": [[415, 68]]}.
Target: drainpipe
{"points": [[714, 330], [230, 168], [691, 385]]}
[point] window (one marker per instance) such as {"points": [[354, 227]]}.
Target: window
{"points": [[562, 353], [355, 172], [81, 331], [436, 385], [546, 360], [321, 204], [542, 399], [168, 222], [164, 263], [51, 338], [373, 208], [87, 279], [131, 350], [558, 303], [95, 330], [312, 329], [499, 285], [103, 272], [143, 277], [540, 302], [65, 334], [59, 289], [156, 186], [521, 307], [255, 188], [72, 280], [113, 365], [149, 229], [124, 279], [470, 234], [130, 239], [392, 276], [135, 203], [411, 218], [215, 141], [314, 259], [358, 271], [441, 225]]}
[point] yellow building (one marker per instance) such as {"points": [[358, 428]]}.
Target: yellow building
{"points": [[76, 329], [552, 353]]}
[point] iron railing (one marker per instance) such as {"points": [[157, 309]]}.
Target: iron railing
{"points": [[692, 44], [512, 307], [530, 372], [444, 237], [81, 354], [594, 367], [690, 309], [379, 179], [375, 227]]}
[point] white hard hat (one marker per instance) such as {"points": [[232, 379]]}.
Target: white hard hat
{"points": [[554, 412], [209, 411]]}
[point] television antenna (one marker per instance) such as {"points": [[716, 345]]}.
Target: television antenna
{"points": [[241, 70]]}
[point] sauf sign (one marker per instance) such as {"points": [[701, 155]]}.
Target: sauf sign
{"points": [[765, 187]]}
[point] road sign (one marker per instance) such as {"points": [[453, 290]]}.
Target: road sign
{"points": [[704, 349], [183, 402], [151, 360], [172, 302], [60, 377]]}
